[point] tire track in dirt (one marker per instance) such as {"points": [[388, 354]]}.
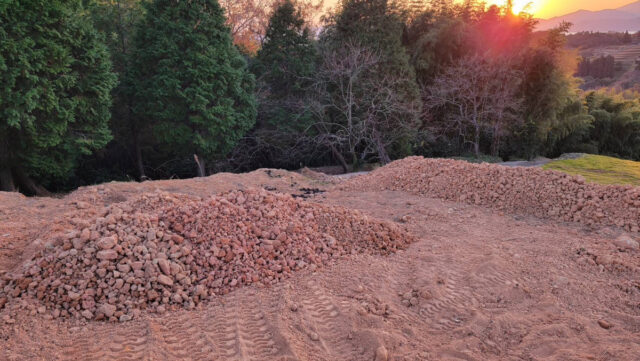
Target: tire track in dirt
{"points": [[328, 326], [242, 331]]}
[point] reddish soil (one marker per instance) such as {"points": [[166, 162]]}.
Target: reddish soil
{"points": [[477, 284]]}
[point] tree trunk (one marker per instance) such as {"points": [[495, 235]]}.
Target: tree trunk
{"points": [[340, 158], [139, 161], [476, 143], [27, 185], [202, 170], [6, 180], [495, 144], [382, 152]]}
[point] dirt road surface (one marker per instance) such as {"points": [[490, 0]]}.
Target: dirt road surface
{"points": [[477, 285]]}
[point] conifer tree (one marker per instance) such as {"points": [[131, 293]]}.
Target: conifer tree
{"points": [[285, 67], [193, 89], [55, 84]]}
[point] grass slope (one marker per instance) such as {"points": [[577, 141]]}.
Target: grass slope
{"points": [[600, 169]]}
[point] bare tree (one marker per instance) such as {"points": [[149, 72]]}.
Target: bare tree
{"points": [[358, 109], [476, 95]]}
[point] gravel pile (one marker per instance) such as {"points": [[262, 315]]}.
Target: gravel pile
{"points": [[529, 191], [163, 251]]}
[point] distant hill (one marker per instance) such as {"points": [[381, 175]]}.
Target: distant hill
{"points": [[626, 18]]}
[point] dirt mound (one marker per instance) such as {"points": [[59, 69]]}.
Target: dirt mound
{"points": [[162, 251], [530, 191]]}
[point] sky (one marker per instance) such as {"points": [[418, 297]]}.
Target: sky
{"points": [[549, 8]]}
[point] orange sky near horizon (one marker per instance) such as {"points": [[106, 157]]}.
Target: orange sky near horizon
{"points": [[549, 8]]}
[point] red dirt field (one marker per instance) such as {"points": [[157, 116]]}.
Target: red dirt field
{"points": [[470, 282]]}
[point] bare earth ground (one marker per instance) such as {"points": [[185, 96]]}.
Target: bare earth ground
{"points": [[478, 285]]}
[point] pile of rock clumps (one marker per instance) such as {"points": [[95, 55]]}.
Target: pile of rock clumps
{"points": [[164, 251], [529, 191]]}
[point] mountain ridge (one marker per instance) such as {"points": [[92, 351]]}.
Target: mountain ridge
{"points": [[624, 18]]}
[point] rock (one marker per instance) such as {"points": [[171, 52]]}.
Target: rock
{"points": [[626, 242], [125, 318], [314, 336], [85, 235], [164, 266], [82, 205], [106, 243], [165, 280], [8, 320], [78, 243], [604, 324], [123, 268], [107, 309], [107, 255], [381, 354], [127, 259]]}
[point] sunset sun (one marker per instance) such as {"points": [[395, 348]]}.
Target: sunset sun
{"points": [[529, 6], [525, 5]]}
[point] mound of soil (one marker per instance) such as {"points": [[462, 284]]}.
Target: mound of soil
{"points": [[530, 191], [162, 251]]}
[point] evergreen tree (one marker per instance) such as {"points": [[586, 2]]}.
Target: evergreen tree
{"points": [[192, 84], [285, 67], [55, 84], [116, 19]]}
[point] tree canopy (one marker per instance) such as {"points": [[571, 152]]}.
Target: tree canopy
{"points": [[55, 84], [192, 84]]}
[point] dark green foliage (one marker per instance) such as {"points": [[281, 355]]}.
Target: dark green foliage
{"points": [[366, 90], [55, 84], [116, 19], [434, 42], [192, 85], [376, 25], [285, 67], [551, 103], [616, 125]]}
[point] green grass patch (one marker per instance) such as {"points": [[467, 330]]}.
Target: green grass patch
{"points": [[600, 169]]}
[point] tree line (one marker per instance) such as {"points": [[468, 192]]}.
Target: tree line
{"points": [[600, 67], [100, 90], [593, 39]]}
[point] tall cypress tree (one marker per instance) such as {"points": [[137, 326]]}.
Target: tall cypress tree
{"points": [[192, 85], [285, 67], [55, 83]]}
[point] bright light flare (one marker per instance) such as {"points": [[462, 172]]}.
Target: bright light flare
{"points": [[528, 6]]}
